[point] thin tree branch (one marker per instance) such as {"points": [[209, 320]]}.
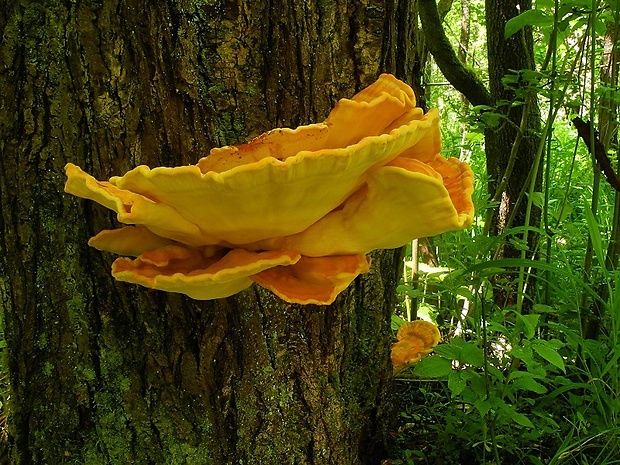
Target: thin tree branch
{"points": [[462, 78], [584, 131]]}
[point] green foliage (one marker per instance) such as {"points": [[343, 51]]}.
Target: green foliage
{"points": [[515, 383], [528, 371], [527, 18]]}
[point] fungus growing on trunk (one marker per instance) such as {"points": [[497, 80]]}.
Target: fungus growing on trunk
{"points": [[295, 210]]}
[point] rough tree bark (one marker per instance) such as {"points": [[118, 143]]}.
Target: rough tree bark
{"points": [[506, 56], [464, 36], [104, 372]]}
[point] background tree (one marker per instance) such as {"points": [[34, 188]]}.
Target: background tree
{"points": [[519, 135], [104, 372], [512, 135], [512, 141]]}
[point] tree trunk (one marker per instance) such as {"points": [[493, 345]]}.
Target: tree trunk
{"points": [[511, 146], [464, 36], [106, 372], [505, 56]]}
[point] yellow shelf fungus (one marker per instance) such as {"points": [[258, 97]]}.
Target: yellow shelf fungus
{"points": [[295, 210], [416, 339]]}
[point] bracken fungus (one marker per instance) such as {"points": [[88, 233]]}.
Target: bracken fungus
{"points": [[294, 210], [415, 340]]}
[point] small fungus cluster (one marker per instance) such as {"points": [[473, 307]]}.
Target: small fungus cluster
{"points": [[415, 340], [294, 210]]}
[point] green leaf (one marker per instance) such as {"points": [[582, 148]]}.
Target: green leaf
{"points": [[491, 119], [542, 308], [528, 384], [456, 383], [562, 213], [527, 18], [612, 365], [519, 244], [535, 460], [538, 199], [397, 322], [515, 416], [478, 386], [595, 234], [519, 374], [530, 322], [433, 367], [555, 344], [521, 419], [466, 293], [523, 353], [471, 354], [549, 354], [449, 351], [483, 406], [474, 136], [479, 108], [465, 352], [468, 352]]}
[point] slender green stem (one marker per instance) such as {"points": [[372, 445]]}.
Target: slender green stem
{"points": [[487, 381], [587, 266], [553, 47]]}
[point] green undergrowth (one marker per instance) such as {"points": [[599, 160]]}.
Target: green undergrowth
{"points": [[528, 370], [509, 386]]}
